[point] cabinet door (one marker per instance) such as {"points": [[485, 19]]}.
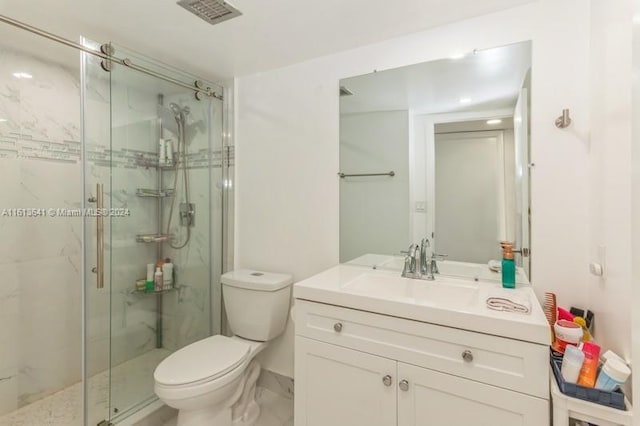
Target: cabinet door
{"points": [[342, 387], [437, 399]]}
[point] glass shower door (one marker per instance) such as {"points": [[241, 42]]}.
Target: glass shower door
{"points": [[96, 172], [157, 153]]}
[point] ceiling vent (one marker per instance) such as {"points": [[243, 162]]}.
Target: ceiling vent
{"points": [[345, 92], [211, 11]]}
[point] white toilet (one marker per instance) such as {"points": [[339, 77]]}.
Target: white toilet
{"points": [[212, 381]]}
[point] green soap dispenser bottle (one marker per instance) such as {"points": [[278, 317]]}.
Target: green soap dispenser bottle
{"points": [[508, 266]]}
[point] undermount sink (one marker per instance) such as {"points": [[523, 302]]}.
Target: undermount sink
{"points": [[452, 294], [395, 263]]}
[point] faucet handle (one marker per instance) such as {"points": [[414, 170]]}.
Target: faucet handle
{"points": [[407, 267]]}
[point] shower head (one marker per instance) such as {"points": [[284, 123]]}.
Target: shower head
{"points": [[171, 115]]}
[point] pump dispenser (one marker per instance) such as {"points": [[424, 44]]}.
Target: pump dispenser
{"points": [[508, 265]]}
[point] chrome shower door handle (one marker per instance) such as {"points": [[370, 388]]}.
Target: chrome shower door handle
{"points": [[99, 269]]}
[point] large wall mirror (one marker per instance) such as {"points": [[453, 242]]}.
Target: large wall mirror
{"points": [[437, 150]]}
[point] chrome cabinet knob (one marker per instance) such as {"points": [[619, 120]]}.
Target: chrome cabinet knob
{"points": [[337, 327], [404, 385], [387, 380], [467, 356]]}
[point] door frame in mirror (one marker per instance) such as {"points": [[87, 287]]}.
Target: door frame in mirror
{"points": [[423, 127]]}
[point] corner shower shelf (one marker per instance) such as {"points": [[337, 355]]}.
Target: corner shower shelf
{"points": [[143, 192], [171, 166], [153, 238], [142, 292]]}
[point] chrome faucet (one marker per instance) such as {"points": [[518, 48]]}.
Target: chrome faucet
{"points": [[416, 264], [424, 245]]}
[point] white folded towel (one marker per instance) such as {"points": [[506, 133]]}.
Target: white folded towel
{"points": [[507, 300]]}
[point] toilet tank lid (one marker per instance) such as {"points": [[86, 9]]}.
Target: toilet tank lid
{"points": [[256, 280]]}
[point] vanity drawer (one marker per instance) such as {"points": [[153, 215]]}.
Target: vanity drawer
{"points": [[507, 363]]}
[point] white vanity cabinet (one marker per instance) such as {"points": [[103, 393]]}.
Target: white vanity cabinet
{"points": [[343, 387], [357, 368]]}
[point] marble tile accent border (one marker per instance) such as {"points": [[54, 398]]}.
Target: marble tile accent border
{"points": [[16, 145]]}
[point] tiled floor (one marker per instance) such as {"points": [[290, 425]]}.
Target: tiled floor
{"points": [[64, 408], [275, 410], [131, 379]]}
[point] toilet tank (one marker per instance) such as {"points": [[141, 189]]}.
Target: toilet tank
{"points": [[257, 303]]}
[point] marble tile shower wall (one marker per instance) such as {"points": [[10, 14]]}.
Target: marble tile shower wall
{"points": [[40, 259], [187, 314]]}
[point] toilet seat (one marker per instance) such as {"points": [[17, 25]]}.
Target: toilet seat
{"points": [[202, 362]]}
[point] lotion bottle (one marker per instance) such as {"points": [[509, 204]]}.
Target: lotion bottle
{"points": [[589, 370], [508, 266]]}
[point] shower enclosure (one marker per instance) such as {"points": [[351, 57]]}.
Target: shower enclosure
{"points": [[110, 162]]}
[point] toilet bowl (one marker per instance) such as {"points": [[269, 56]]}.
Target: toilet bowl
{"points": [[212, 381]]}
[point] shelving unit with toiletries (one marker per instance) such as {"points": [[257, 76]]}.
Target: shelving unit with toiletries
{"points": [[161, 273], [585, 385]]}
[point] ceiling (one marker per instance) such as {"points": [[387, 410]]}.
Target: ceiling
{"points": [[269, 34], [489, 80]]}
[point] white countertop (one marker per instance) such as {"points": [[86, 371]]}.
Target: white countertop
{"points": [[447, 301]]}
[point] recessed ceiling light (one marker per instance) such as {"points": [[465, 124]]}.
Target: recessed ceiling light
{"points": [[494, 121], [465, 100], [22, 75]]}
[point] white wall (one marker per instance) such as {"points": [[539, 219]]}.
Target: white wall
{"points": [[374, 210], [610, 167], [635, 209], [287, 128]]}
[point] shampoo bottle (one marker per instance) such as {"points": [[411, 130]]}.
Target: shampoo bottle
{"points": [[167, 274], [149, 284], [589, 370], [157, 279], [508, 266]]}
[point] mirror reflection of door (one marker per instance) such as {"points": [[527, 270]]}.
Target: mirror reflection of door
{"points": [[474, 202]]}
